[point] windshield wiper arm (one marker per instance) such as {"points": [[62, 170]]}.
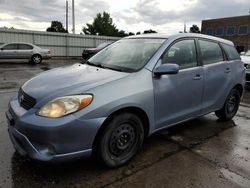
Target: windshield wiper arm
{"points": [[96, 65]]}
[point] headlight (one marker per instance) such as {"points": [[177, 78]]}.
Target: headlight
{"points": [[62, 106]]}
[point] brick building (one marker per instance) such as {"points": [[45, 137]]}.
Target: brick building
{"points": [[236, 29]]}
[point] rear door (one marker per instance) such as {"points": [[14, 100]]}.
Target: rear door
{"points": [[217, 75], [24, 51], [9, 51], [178, 97]]}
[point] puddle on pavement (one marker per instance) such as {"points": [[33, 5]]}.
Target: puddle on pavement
{"points": [[45, 68], [8, 85]]}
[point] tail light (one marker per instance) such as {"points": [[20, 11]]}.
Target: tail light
{"points": [[49, 52]]}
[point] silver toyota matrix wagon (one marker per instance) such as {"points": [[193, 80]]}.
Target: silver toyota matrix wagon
{"points": [[138, 85]]}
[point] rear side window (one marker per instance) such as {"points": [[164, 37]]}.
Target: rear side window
{"points": [[25, 47], [231, 52], [210, 52]]}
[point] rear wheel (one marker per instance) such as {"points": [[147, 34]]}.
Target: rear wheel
{"points": [[230, 107], [36, 59], [121, 140]]}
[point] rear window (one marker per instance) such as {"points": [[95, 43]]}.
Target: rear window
{"points": [[231, 52]]}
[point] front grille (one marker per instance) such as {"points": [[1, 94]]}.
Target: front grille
{"points": [[26, 101]]}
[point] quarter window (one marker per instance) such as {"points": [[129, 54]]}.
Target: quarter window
{"points": [[243, 30], [210, 52], [182, 53], [231, 52]]}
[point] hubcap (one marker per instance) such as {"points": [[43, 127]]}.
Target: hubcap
{"points": [[37, 59], [122, 140]]}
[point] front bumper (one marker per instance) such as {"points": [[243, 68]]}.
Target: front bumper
{"points": [[47, 139]]}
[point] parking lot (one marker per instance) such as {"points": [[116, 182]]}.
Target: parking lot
{"points": [[200, 153]]}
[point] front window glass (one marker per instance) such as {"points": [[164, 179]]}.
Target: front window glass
{"points": [[182, 53], [127, 55], [10, 47]]}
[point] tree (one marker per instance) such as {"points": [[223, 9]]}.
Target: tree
{"points": [[149, 31], [103, 25], [138, 33], [194, 29], [56, 26]]}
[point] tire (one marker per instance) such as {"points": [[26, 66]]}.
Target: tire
{"points": [[36, 59], [230, 107], [121, 140]]}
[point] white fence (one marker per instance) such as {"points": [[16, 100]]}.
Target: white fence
{"points": [[60, 44]]}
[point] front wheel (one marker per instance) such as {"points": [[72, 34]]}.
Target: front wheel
{"points": [[230, 107], [121, 140]]}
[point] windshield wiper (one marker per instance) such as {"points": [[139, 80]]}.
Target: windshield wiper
{"points": [[96, 65]]}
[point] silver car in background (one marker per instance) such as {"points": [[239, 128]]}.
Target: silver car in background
{"points": [[24, 51], [245, 57]]}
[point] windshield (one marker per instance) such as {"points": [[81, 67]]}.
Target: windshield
{"points": [[102, 45], [127, 55], [247, 53]]}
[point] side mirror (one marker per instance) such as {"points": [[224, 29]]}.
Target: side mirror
{"points": [[166, 69], [242, 53]]}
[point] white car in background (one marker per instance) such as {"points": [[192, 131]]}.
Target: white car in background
{"points": [[245, 57], [28, 51]]}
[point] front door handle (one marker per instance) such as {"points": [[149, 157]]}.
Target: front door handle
{"points": [[228, 70], [197, 77]]}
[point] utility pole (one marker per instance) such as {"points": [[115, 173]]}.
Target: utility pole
{"points": [[67, 15], [185, 30], [73, 16]]}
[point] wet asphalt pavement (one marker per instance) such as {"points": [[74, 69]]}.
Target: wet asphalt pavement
{"points": [[200, 153]]}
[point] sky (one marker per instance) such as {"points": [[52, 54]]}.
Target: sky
{"points": [[164, 16]]}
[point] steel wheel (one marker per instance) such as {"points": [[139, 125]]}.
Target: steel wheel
{"points": [[121, 140], [230, 107]]}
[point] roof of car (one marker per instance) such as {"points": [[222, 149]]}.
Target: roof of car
{"points": [[181, 35], [19, 43]]}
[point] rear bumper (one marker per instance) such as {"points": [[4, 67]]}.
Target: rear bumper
{"points": [[47, 56], [47, 139]]}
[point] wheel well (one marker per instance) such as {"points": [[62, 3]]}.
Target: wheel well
{"points": [[137, 111], [239, 87]]}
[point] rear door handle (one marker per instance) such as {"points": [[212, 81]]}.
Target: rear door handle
{"points": [[228, 70], [197, 77]]}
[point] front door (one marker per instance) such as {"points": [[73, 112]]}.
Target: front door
{"points": [[179, 97]]}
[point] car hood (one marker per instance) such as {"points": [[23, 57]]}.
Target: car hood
{"points": [[74, 79]]}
